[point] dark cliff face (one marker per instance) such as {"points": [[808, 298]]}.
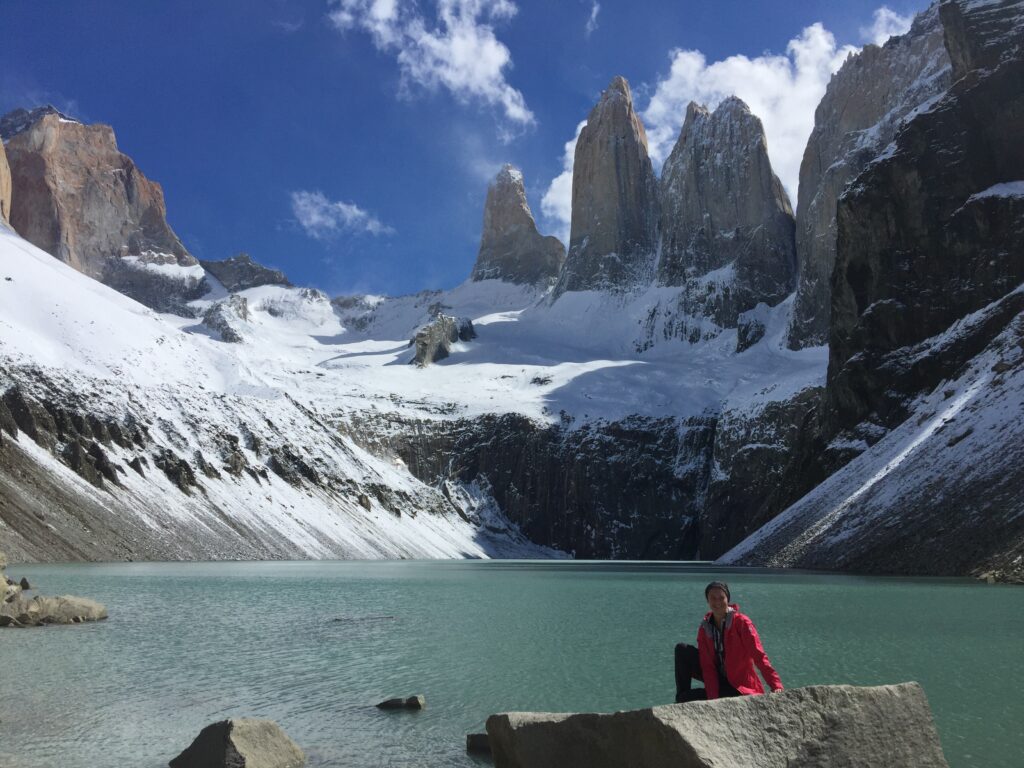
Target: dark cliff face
{"points": [[865, 103], [240, 272], [925, 239], [924, 390], [626, 490]]}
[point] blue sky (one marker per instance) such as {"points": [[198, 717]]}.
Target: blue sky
{"points": [[349, 142]]}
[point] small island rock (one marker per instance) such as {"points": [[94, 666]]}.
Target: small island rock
{"points": [[412, 702]]}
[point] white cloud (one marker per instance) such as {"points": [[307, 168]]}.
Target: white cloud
{"points": [[323, 219], [457, 51], [783, 90], [887, 23], [591, 27], [556, 205]]}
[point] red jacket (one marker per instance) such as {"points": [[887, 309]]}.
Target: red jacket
{"points": [[742, 651]]}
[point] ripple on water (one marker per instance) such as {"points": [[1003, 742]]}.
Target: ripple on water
{"points": [[316, 645]]}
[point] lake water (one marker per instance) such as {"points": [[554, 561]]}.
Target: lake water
{"points": [[314, 645]]}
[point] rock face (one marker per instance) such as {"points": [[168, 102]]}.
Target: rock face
{"points": [[223, 317], [5, 187], [628, 489], [864, 106], [77, 197], [937, 215], [814, 727], [926, 367], [613, 233], [241, 743], [511, 248], [241, 272], [434, 340], [722, 205]]}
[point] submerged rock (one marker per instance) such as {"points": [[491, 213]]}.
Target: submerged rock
{"points": [[412, 702], [813, 727], [242, 743]]}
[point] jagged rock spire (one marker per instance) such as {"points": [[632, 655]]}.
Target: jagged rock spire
{"points": [[721, 204], [511, 248], [614, 199], [5, 186]]}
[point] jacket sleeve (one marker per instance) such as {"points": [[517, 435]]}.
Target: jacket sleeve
{"points": [[754, 649], [707, 663]]}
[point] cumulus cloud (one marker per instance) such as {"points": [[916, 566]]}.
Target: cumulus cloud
{"points": [[457, 50], [556, 205], [323, 219], [782, 89], [886, 24], [595, 8]]}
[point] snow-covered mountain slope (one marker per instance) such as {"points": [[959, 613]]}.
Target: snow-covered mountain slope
{"points": [[281, 433], [952, 472], [148, 440]]}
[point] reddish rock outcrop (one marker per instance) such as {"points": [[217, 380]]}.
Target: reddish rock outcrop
{"points": [[77, 197]]}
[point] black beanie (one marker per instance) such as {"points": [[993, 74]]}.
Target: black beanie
{"points": [[717, 585]]}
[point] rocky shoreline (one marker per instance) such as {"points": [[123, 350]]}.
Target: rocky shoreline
{"points": [[18, 611]]}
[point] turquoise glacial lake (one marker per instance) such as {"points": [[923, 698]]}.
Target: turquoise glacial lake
{"points": [[314, 645]]}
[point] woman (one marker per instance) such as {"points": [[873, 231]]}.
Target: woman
{"points": [[727, 650]]}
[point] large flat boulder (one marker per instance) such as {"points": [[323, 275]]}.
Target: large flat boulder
{"points": [[819, 726], [241, 743]]}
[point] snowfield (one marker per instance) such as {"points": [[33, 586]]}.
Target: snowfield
{"points": [[307, 365]]}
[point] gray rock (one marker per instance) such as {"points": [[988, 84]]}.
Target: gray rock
{"points": [[241, 743], [412, 702], [511, 248], [814, 727], [613, 233], [77, 197], [25, 586], [240, 272], [434, 340], [750, 327], [226, 317], [864, 106], [10, 590], [722, 205], [40, 610]]}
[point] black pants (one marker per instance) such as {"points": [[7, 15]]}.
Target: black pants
{"points": [[687, 669]]}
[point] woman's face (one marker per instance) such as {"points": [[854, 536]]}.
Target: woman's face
{"points": [[718, 601]]}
